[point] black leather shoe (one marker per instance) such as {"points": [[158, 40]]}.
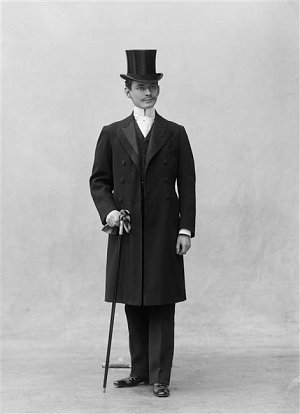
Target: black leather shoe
{"points": [[161, 390], [130, 382]]}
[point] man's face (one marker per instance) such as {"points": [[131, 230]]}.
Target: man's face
{"points": [[143, 94]]}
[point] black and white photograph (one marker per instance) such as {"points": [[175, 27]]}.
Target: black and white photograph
{"points": [[150, 207]]}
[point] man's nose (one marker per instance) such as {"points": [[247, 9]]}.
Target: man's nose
{"points": [[148, 92]]}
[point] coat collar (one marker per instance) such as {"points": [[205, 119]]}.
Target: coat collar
{"points": [[159, 136]]}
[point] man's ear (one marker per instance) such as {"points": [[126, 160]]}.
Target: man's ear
{"points": [[127, 92]]}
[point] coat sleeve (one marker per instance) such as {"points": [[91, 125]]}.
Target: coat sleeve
{"points": [[186, 185], [101, 180]]}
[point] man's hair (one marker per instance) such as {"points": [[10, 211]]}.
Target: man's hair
{"points": [[128, 83]]}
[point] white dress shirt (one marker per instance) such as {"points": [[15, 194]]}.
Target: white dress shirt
{"points": [[144, 118]]}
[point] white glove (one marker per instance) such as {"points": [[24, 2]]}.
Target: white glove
{"points": [[112, 218]]}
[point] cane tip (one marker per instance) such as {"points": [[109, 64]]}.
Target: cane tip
{"points": [[104, 390]]}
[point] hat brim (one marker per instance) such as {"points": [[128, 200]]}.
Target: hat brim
{"points": [[142, 78]]}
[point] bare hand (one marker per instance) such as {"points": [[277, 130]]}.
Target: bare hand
{"points": [[113, 218], [183, 244]]}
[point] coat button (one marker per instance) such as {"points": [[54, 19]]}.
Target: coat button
{"points": [[123, 162], [165, 161], [166, 180], [122, 180], [167, 198]]}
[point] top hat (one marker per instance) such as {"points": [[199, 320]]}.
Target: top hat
{"points": [[141, 65]]}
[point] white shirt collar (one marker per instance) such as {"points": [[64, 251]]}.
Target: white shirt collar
{"points": [[138, 112]]}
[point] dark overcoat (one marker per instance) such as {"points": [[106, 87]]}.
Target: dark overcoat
{"points": [[151, 273]]}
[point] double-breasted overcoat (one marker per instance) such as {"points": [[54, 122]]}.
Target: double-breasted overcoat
{"points": [[151, 273]]}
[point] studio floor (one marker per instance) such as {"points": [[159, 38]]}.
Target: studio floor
{"points": [[65, 380]]}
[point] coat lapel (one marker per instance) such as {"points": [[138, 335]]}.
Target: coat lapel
{"points": [[127, 137], [159, 136]]}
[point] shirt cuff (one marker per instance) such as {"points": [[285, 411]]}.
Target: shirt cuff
{"points": [[185, 232]]}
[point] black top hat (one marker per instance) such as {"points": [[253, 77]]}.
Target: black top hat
{"points": [[141, 65]]}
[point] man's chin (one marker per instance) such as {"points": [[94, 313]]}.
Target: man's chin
{"points": [[147, 105]]}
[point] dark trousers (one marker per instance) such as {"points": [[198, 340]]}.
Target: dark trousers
{"points": [[151, 341]]}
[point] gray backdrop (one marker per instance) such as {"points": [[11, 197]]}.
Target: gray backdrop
{"points": [[231, 79]]}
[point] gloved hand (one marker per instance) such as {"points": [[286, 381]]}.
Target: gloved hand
{"points": [[113, 218]]}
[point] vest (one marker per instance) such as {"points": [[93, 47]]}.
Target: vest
{"points": [[143, 144]]}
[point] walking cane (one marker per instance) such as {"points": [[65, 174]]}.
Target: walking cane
{"points": [[124, 223]]}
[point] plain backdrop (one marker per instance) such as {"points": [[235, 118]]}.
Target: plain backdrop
{"points": [[231, 78]]}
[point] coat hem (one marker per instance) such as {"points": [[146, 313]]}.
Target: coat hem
{"points": [[168, 302]]}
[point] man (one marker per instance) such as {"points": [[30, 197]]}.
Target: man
{"points": [[138, 162]]}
